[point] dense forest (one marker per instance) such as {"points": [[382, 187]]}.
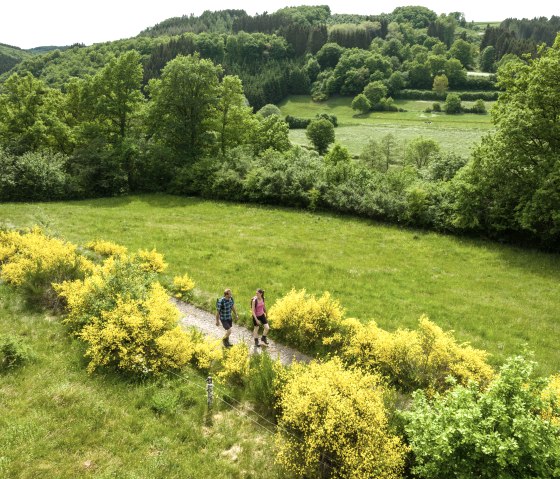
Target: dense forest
{"points": [[185, 107]]}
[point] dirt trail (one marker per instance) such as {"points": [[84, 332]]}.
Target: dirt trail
{"points": [[206, 322]]}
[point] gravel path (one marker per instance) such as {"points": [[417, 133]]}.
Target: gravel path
{"points": [[206, 322]]}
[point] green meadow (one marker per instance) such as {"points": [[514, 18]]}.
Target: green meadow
{"points": [[500, 298], [454, 133]]}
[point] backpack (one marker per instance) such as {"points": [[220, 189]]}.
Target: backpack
{"points": [[254, 298]]}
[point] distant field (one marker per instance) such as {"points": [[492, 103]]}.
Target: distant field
{"points": [[498, 297], [457, 133]]}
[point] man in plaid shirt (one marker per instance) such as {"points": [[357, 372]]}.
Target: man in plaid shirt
{"points": [[225, 305]]}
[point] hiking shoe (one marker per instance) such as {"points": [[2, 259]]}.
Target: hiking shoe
{"points": [[264, 340], [257, 342], [226, 342]]}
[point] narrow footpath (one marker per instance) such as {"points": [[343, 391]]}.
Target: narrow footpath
{"points": [[206, 322]]}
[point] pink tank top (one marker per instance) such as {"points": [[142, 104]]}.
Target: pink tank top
{"points": [[259, 307]]}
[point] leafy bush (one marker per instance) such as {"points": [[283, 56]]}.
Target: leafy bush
{"points": [[34, 261], [321, 133], [118, 277], [106, 248], [283, 178], [34, 176], [334, 425], [138, 336], [13, 352], [551, 397], [411, 360], [151, 261], [493, 433], [326, 116], [264, 381], [295, 122], [235, 365], [183, 287], [409, 94], [269, 109], [303, 320], [206, 353]]}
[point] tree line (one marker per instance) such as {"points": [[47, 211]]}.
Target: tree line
{"points": [[195, 134]]}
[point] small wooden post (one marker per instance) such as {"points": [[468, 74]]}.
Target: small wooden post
{"points": [[209, 391]]}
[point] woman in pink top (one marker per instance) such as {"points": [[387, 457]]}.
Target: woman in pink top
{"points": [[258, 309]]}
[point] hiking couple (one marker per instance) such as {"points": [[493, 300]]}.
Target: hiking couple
{"points": [[225, 305]]}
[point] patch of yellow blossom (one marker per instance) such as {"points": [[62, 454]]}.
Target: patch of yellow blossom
{"points": [[303, 319], [414, 359], [334, 424], [34, 261], [551, 395], [130, 335], [151, 261], [106, 248], [235, 365], [183, 287]]}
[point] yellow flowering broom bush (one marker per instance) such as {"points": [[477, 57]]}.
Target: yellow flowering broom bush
{"points": [[551, 396], [117, 277], [125, 317], [420, 359], [183, 287], [235, 365], [334, 424], [151, 261], [34, 261], [206, 352], [303, 320], [138, 336], [106, 248]]}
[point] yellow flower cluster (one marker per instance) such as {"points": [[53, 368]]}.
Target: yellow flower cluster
{"points": [[303, 319], [235, 365], [106, 248], [334, 424], [551, 395], [413, 359], [183, 287], [34, 261], [130, 335], [127, 321], [151, 261], [206, 352]]}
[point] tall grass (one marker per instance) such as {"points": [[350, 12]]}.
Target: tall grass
{"points": [[500, 298]]}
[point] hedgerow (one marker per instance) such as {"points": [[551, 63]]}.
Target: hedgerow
{"points": [[410, 360]]}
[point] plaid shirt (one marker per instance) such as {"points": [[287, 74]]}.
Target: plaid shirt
{"points": [[224, 306]]}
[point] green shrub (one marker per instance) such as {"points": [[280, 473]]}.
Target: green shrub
{"points": [[262, 383], [497, 432], [13, 352], [34, 176]]}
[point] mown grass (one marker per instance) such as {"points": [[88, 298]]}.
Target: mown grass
{"points": [[59, 422], [456, 133], [500, 298]]}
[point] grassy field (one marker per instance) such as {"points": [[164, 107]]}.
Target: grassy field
{"points": [[59, 422], [499, 298], [457, 133]]}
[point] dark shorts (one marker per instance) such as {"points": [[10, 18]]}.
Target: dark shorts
{"points": [[227, 324], [262, 319]]}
